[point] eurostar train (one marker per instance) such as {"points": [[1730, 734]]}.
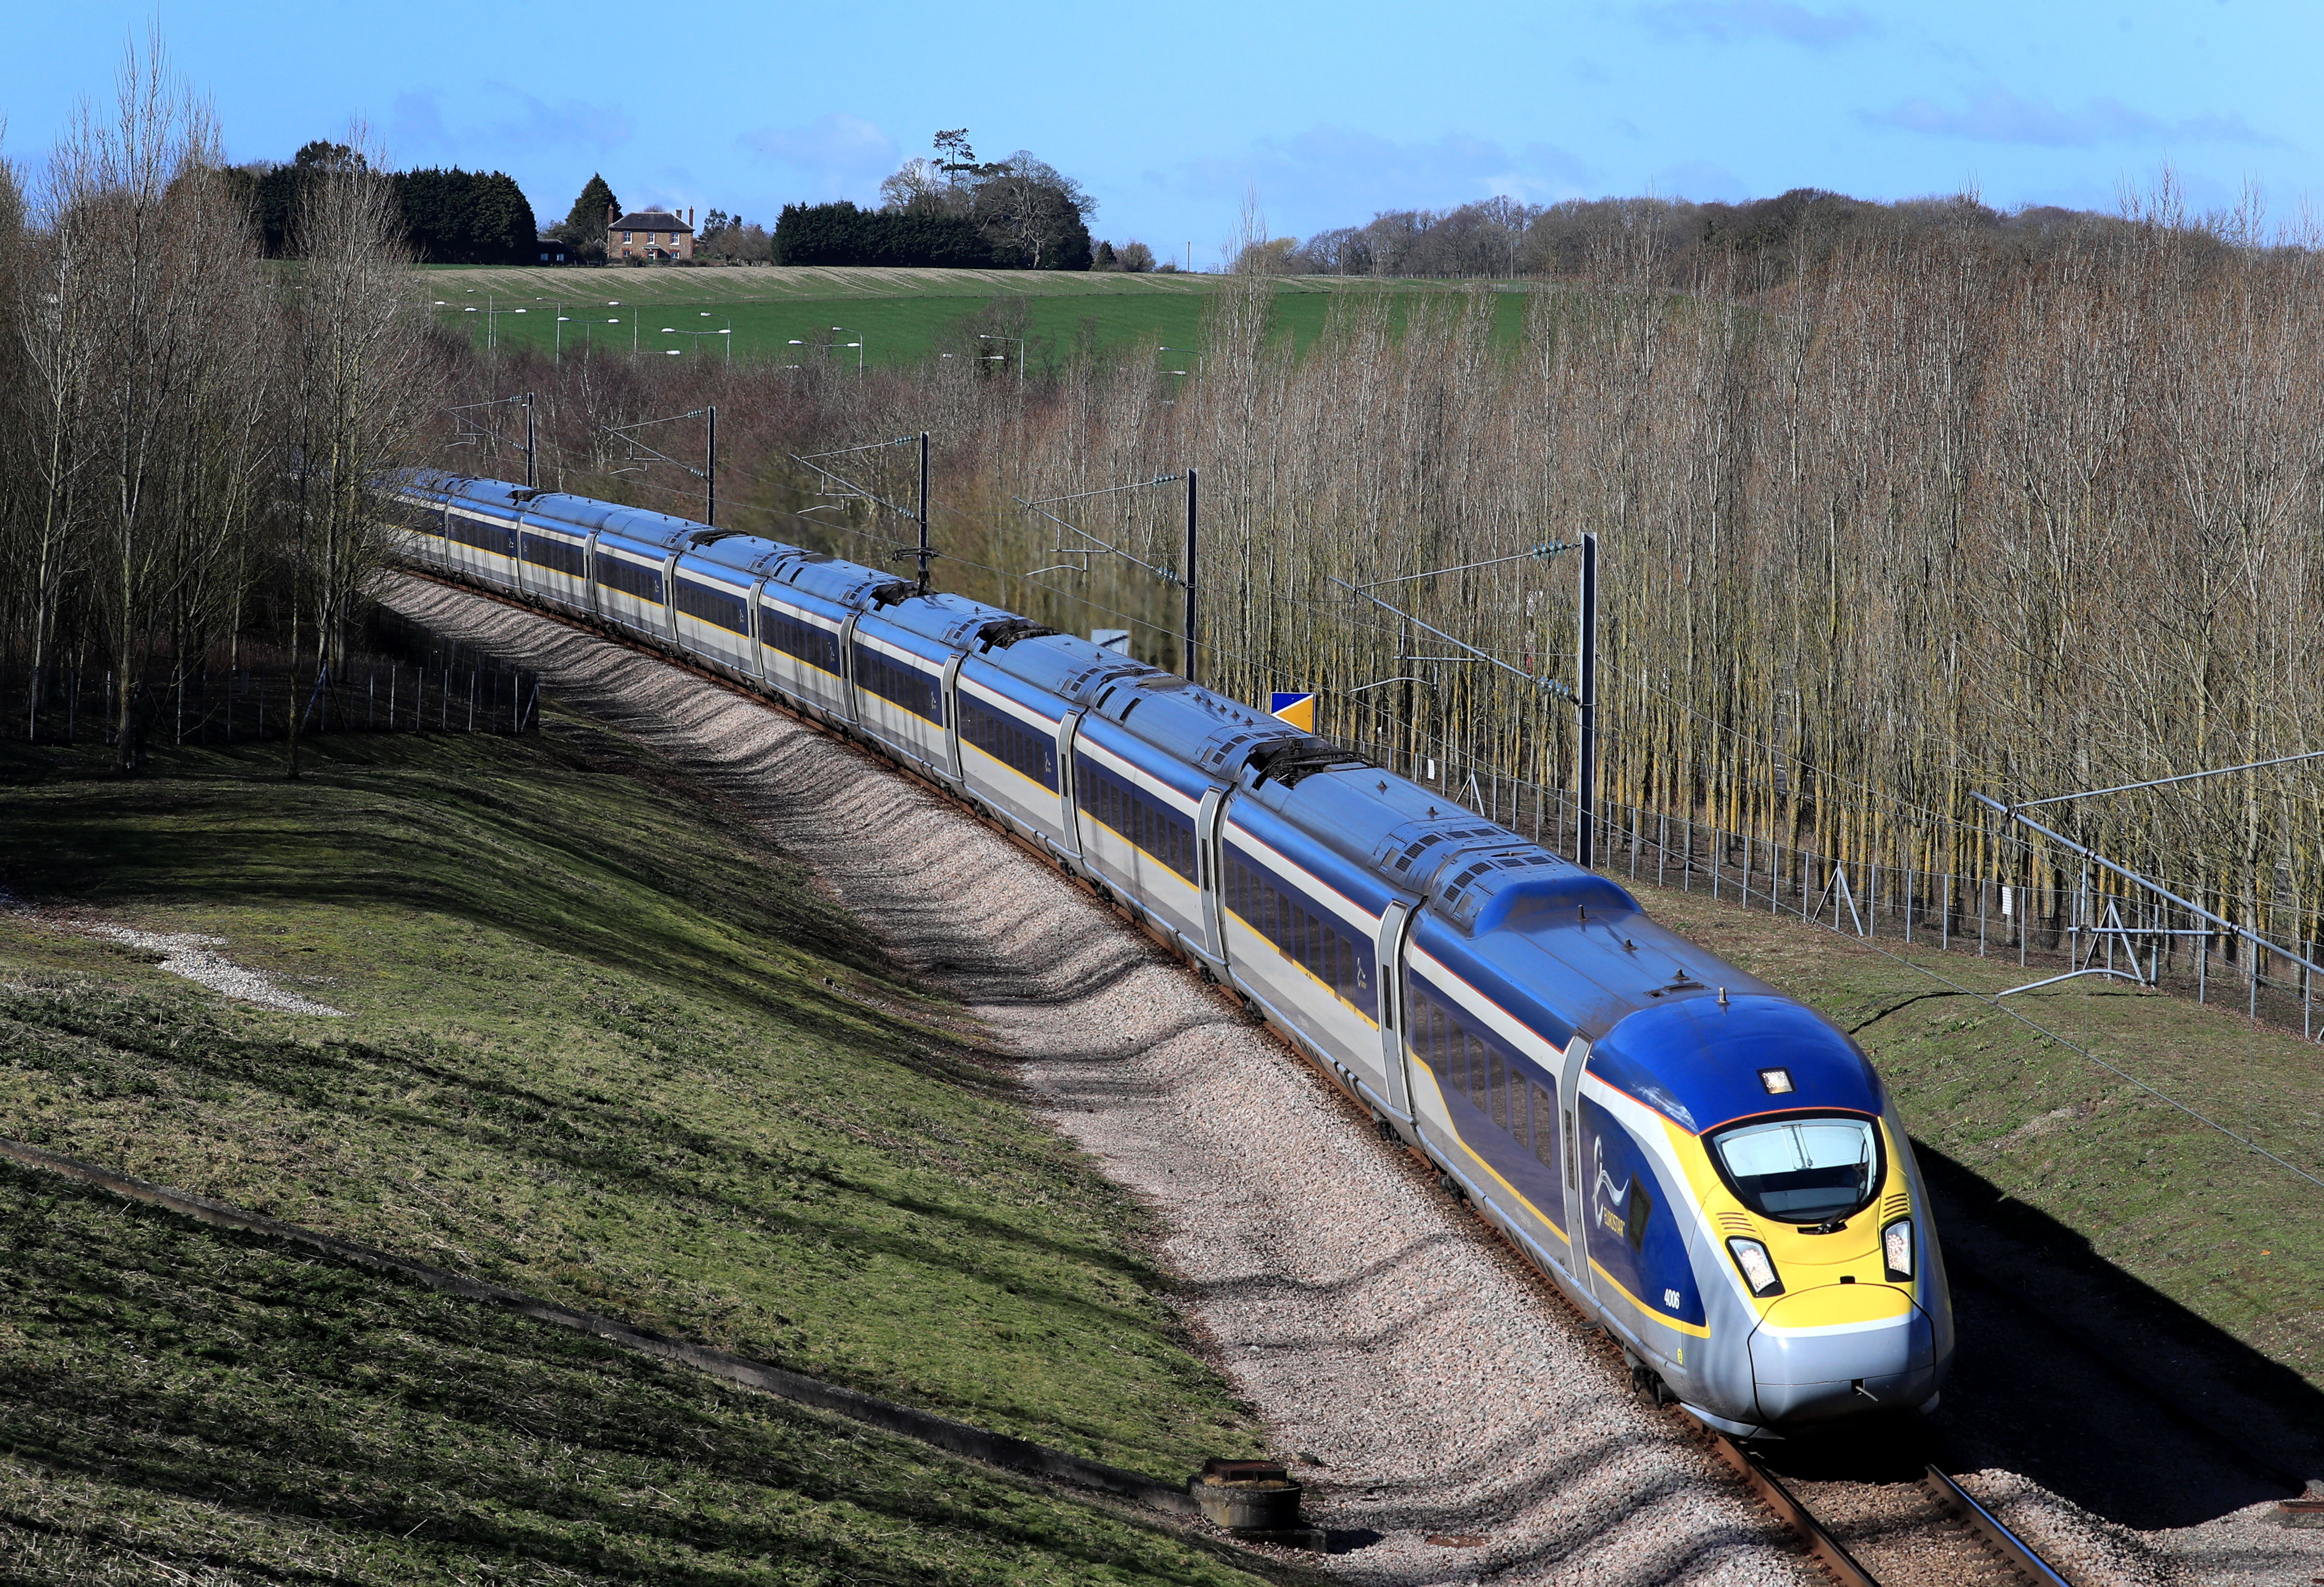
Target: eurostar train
{"points": [[1705, 1166]]}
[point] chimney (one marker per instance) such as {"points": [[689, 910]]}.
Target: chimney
{"points": [[612, 214], [689, 218]]}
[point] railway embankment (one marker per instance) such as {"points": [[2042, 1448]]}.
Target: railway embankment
{"points": [[594, 1037], [1442, 1391], [1322, 1297]]}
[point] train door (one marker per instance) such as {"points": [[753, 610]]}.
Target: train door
{"points": [[1577, 1187], [670, 599], [852, 707], [958, 772], [757, 618], [589, 574], [1068, 796], [516, 574], [1212, 870], [1396, 922]]}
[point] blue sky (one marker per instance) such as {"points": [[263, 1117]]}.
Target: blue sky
{"points": [[1171, 114]]}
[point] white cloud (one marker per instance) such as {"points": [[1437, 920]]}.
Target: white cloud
{"points": [[835, 156], [2000, 116]]}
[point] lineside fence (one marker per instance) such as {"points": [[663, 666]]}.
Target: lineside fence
{"points": [[413, 681], [246, 705]]}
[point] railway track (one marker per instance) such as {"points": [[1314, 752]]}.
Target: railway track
{"points": [[1930, 1533]]}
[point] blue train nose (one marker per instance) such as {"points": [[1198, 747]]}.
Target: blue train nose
{"points": [[1820, 1353]]}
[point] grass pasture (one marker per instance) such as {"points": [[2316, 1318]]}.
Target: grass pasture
{"points": [[605, 1045], [903, 316]]}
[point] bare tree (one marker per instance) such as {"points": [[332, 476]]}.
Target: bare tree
{"points": [[355, 385]]}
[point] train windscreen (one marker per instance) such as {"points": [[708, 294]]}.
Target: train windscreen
{"points": [[1809, 1171]]}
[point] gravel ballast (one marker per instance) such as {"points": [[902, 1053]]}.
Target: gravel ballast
{"points": [[1450, 1416], [189, 954]]}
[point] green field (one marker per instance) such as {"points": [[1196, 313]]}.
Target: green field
{"points": [[606, 1048], [901, 316]]}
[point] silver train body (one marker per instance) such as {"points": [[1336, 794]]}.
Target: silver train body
{"points": [[1707, 1167]]}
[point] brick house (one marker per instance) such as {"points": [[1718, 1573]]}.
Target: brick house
{"points": [[656, 235]]}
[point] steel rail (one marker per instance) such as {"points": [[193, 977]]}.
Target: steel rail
{"points": [[1989, 1525], [1791, 1512]]}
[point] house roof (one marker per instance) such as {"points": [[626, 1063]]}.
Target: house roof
{"points": [[651, 220]]}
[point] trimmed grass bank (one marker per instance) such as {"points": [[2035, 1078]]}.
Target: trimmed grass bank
{"points": [[605, 1045]]}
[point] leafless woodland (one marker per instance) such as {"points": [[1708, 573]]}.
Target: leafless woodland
{"points": [[187, 429], [1931, 515]]}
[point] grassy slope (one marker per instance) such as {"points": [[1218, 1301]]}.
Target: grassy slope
{"points": [[595, 1054], [903, 315], [2229, 1235], [176, 1400]]}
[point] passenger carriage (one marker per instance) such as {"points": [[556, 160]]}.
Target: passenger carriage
{"points": [[1708, 1167]]}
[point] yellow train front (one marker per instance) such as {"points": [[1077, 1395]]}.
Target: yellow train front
{"points": [[1819, 1286], [1710, 1168]]}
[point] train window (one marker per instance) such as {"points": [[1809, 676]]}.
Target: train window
{"points": [[719, 608], [1499, 1086], [1545, 1126], [1007, 739], [794, 636], [498, 538], [1151, 826], [1634, 1215], [1808, 1170], [558, 556], [628, 578], [899, 683]]}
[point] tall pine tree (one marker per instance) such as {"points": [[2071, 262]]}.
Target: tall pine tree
{"points": [[584, 227]]}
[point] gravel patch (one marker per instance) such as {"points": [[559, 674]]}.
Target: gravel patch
{"points": [[2250, 1549], [187, 954]]}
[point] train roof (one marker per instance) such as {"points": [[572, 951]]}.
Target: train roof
{"points": [[1699, 1061], [1522, 920]]}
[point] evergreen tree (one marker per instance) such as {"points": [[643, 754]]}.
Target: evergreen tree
{"points": [[585, 224]]}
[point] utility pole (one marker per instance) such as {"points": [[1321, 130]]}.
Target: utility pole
{"points": [[1585, 843], [924, 513], [710, 474], [531, 473], [1193, 508]]}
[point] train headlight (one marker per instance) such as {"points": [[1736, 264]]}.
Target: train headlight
{"points": [[1758, 1268], [1896, 1251]]}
